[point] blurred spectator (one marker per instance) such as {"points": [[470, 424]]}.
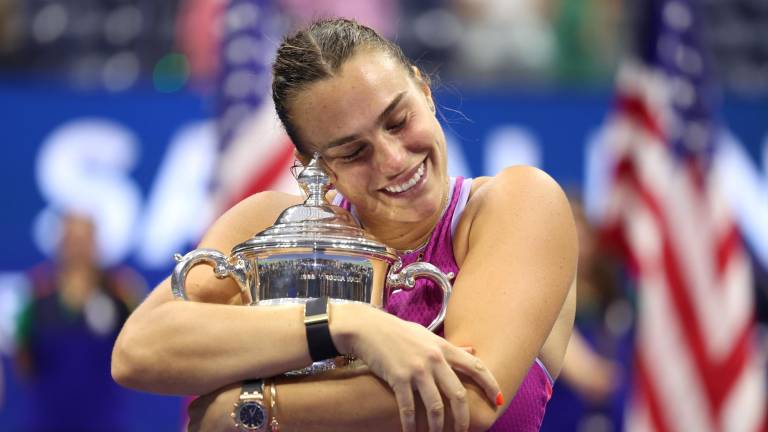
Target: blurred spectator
{"points": [[198, 33], [381, 15], [736, 34], [594, 380], [428, 32], [201, 24], [588, 38], [10, 26], [504, 38], [67, 331], [119, 45], [761, 309], [593, 376], [91, 44]]}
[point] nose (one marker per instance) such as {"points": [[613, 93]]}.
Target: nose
{"points": [[390, 156]]}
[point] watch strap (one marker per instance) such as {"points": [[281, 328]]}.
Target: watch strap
{"points": [[319, 340], [252, 388]]}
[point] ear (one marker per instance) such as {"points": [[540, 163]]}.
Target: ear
{"points": [[424, 87]]}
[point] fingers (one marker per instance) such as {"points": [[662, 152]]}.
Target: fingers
{"points": [[469, 349], [454, 391], [474, 368], [434, 382], [433, 402], [404, 397]]}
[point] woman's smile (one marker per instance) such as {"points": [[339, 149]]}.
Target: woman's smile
{"points": [[408, 184]]}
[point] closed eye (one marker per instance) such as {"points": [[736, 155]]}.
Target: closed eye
{"points": [[349, 157], [399, 125]]}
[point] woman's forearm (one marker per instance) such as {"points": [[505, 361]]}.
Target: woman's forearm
{"points": [[337, 401], [362, 402], [190, 348]]}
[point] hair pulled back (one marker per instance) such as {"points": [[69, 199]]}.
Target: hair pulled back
{"points": [[317, 52]]}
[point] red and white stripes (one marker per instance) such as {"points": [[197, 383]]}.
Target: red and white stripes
{"points": [[696, 367], [258, 158]]}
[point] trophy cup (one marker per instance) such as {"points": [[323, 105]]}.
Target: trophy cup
{"points": [[314, 249]]}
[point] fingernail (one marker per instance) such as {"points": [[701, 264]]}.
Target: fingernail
{"points": [[499, 399], [469, 349]]}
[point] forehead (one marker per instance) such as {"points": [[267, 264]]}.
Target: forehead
{"points": [[350, 101]]}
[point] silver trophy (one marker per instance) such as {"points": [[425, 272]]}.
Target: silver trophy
{"points": [[314, 249]]}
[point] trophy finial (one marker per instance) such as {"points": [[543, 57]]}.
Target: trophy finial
{"points": [[314, 181]]}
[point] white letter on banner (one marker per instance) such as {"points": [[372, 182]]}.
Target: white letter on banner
{"points": [[180, 207], [82, 167], [746, 191]]}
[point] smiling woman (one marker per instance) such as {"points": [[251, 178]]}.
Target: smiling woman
{"points": [[383, 146], [346, 93]]}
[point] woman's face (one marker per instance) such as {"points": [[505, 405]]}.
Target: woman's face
{"points": [[375, 127]]}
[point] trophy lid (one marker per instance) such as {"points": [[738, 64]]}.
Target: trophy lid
{"points": [[316, 224]]}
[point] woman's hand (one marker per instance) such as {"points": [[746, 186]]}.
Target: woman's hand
{"points": [[213, 412], [411, 358]]}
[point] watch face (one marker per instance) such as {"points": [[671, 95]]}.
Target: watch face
{"points": [[251, 415]]}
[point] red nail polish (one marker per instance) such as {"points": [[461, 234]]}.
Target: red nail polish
{"points": [[499, 399]]}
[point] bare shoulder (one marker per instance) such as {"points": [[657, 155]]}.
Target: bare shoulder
{"points": [[515, 183], [520, 196]]}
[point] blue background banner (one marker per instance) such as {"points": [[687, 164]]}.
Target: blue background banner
{"points": [[146, 138]]}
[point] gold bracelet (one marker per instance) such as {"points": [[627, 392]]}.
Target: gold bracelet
{"points": [[274, 426]]}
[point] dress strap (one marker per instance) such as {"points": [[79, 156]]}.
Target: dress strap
{"points": [[461, 203], [337, 199]]}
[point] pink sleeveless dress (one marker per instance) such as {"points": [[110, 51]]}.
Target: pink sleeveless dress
{"points": [[526, 410]]}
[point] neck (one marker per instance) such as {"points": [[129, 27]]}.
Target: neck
{"points": [[406, 235]]}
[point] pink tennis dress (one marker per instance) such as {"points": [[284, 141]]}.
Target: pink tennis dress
{"points": [[526, 410]]}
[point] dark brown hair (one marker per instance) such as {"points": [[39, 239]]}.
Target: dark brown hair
{"points": [[317, 52]]}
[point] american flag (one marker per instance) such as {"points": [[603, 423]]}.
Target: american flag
{"points": [[255, 152], [697, 366]]}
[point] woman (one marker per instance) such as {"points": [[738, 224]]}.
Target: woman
{"points": [[343, 91]]}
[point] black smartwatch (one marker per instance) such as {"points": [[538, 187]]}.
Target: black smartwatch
{"points": [[250, 414], [319, 339]]}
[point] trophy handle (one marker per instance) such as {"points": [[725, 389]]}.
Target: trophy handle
{"points": [[223, 266], [406, 279]]}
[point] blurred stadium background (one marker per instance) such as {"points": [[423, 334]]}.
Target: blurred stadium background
{"points": [[151, 117]]}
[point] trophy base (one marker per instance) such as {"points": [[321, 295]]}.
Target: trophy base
{"points": [[316, 368], [301, 300]]}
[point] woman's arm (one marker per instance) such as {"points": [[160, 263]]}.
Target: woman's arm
{"points": [[518, 262], [353, 399], [190, 348], [357, 402], [181, 347], [176, 347]]}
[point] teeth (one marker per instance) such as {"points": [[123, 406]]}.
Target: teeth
{"points": [[409, 184]]}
